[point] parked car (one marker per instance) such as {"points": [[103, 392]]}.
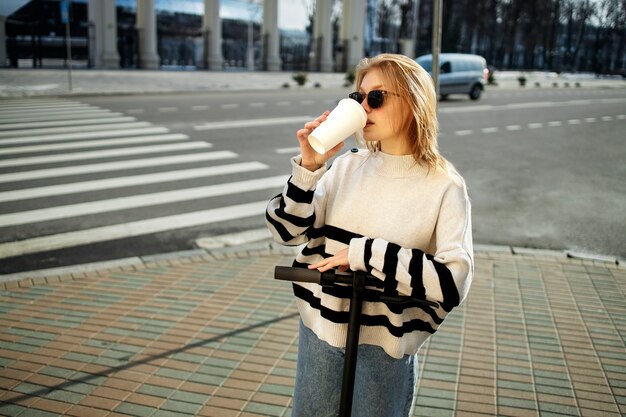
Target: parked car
{"points": [[458, 73]]}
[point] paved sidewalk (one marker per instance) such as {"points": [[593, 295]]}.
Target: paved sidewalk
{"points": [[215, 335]]}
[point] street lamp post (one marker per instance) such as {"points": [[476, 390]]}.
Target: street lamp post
{"points": [[250, 49], [437, 19]]}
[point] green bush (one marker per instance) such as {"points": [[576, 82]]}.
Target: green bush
{"points": [[300, 78]]}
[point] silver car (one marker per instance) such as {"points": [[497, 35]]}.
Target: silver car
{"points": [[458, 73]]}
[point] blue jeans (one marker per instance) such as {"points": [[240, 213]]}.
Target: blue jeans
{"points": [[384, 386]]}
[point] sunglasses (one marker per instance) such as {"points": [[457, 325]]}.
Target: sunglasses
{"points": [[375, 98]]}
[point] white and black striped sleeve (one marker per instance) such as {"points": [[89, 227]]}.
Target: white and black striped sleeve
{"points": [[444, 276], [292, 213]]}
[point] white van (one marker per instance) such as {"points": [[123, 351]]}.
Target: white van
{"points": [[458, 73]]}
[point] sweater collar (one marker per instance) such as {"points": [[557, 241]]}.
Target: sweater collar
{"points": [[397, 166]]}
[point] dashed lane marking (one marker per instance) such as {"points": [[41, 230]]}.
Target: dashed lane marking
{"points": [[233, 124]]}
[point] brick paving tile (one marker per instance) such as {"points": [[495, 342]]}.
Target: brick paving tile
{"points": [[196, 388], [99, 402], [121, 384], [607, 406], [585, 412], [209, 411], [250, 386], [517, 412], [83, 411], [273, 399], [51, 405], [7, 384], [232, 393], [471, 408], [146, 400], [229, 403], [31, 367]]}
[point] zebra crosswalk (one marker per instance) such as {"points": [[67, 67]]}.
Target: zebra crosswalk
{"points": [[73, 174]]}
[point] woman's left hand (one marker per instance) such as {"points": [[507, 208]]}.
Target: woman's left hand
{"points": [[339, 261]]}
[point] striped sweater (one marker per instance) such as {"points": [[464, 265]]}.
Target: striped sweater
{"points": [[405, 224]]}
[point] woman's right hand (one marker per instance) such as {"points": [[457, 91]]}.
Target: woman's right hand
{"points": [[312, 160]]}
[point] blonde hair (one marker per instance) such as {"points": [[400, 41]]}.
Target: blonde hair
{"points": [[405, 77]]}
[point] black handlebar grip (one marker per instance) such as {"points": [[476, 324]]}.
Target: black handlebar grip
{"points": [[286, 273]]}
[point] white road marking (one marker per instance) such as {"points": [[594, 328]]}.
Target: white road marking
{"points": [[234, 239], [86, 135], [489, 129], [533, 105], [463, 132], [25, 105], [573, 122], [555, 123], [607, 118], [512, 128], [129, 181], [591, 120], [257, 104], [131, 229], [535, 125], [116, 166], [200, 108], [4, 115], [234, 124], [141, 200], [229, 106], [293, 149], [168, 109], [104, 115], [72, 129], [77, 122], [93, 144], [79, 156]]}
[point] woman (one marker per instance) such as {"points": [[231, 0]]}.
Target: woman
{"points": [[397, 210]]}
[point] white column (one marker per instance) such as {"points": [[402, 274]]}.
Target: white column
{"points": [[212, 58], [352, 27], [326, 36], [322, 59], [3, 42], [109, 56], [271, 36], [147, 29], [95, 32]]}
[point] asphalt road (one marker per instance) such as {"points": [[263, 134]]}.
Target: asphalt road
{"points": [[544, 168]]}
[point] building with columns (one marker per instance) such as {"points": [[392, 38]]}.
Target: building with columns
{"points": [[352, 33], [326, 57]]}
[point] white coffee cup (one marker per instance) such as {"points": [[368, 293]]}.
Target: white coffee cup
{"points": [[343, 121]]}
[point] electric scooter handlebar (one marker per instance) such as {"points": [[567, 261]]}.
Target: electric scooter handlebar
{"points": [[285, 273], [332, 277]]}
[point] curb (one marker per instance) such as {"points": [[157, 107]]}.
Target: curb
{"points": [[263, 248]]}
